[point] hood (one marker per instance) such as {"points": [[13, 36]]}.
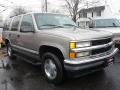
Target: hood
{"points": [[78, 34], [114, 30]]}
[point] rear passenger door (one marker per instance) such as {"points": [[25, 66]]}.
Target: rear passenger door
{"points": [[14, 31]]}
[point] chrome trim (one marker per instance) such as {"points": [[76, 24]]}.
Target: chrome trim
{"points": [[92, 47], [25, 49], [88, 60]]}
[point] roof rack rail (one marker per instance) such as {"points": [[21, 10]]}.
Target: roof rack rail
{"points": [[15, 15]]}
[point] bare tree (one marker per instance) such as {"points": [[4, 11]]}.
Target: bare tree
{"points": [[18, 10], [73, 8]]}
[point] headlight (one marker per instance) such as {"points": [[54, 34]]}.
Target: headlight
{"points": [[74, 45], [82, 44]]}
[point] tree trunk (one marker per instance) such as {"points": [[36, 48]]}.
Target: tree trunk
{"points": [[74, 18]]}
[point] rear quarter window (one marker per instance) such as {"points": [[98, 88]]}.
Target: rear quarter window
{"points": [[7, 24]]}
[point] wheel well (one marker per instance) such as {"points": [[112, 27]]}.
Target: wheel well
{"points": [[54, 50]]}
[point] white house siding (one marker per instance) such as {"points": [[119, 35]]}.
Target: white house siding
{"points": [[107, 12], [104, 13], [89, 14]]}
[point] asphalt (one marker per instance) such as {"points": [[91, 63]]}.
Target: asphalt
{"points": [[16, 74]]}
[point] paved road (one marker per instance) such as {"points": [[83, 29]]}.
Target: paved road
{"points": [[19, 75]]}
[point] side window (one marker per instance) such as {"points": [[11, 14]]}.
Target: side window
{"points": [[7, 24], [27, 24], [15, 23]]}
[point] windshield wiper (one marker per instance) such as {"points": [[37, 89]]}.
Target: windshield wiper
{"points": [[112, 26], [104, 26], [69, 25], [52, 25]]}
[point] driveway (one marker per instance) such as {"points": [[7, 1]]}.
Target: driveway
{"points": [[18, 75]]}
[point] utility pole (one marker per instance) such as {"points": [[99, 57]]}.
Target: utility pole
{"points": [[46, 6], [87, 4]]}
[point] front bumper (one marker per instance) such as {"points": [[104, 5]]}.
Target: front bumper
{"points": [[95, 62]]}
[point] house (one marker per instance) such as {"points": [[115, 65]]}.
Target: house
{"points": [[83, 23], [94, 12]]}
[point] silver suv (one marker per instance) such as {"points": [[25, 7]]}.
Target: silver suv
{"points": [[55, 42], [110, 25]]}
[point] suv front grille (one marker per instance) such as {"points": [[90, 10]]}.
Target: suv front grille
{"points": [[101, 50], [102, 41]]}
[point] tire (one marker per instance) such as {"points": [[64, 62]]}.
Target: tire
{"points": [[10, 51], [52, 68]]}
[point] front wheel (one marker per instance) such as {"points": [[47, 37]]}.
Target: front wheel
{"points": [[52, 68]]}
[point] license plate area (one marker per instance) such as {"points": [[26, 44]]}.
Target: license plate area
{"points": [[110, 61]]}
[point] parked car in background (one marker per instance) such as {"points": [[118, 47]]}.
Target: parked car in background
{"points": [[108, 24], [55, 42]]}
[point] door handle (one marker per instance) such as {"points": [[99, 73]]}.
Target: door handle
{"points": [[18, 35]]}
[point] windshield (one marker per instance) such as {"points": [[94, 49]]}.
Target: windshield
{"points": [[53, 21], [101, 23]]}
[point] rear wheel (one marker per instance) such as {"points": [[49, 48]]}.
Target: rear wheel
{"points": [[10, 51], [52, 68]]}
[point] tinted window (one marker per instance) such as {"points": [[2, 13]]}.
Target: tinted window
{"points": [[27, 23], [15, 23], [7, 24], [85, 15]]}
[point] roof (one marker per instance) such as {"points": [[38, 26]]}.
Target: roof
{"points": [[39, 13], [98, 8]]}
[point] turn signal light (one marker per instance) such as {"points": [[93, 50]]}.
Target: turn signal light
{"points": [[72, 55]]}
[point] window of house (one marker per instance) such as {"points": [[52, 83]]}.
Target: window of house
{"points": [[99, 13], [85, 15], [92, 14]]}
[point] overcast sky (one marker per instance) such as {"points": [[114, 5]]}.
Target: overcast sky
{"points": [[36, 5]]}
